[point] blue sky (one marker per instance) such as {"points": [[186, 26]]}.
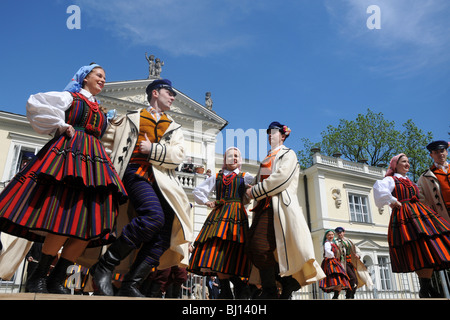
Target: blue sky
{"points": [[305, 63]]}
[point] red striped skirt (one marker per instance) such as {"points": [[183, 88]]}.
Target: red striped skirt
{"points": [[418, 238], [71, 189], [220, 245], [336, 276]]}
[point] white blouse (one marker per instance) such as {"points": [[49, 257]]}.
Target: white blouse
{"points": [[206, 187], [382, 190], [46, 111], [327, 249]]}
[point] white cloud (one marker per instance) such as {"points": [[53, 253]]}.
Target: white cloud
{"points": [[194, 27], [414, 34]]}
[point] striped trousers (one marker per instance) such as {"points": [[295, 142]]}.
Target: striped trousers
{"points": [[152, 226]]}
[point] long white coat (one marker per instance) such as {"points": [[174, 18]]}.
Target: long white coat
{"points": [[430, 193], [294, 246], [164, 156]]}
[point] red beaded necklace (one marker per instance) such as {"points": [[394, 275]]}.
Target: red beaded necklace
{"points": [[91, 104], [227, 179]]}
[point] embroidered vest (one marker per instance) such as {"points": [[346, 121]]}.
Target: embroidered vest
{"points": [[444, 182], [154, 131]]}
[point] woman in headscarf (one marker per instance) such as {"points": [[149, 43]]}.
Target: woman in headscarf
{"points": [[419, 238], [68, 195], [337, 279], [219, 247]]}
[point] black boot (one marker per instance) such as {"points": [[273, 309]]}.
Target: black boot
{"points": [[426, 289], [37, 282], [241, 289], [155, 290], [175, 292], [268, 282], [225, 289], [336, 294], [102, 271], [289, 285], [55, 281], [132, 281]]}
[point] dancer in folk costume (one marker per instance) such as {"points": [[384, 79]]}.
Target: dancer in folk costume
{"points": [[434, 183], [220, 246], [278, 225], [68, 195], [147, 146], [337, 278], [418, 237], [350, 259]]}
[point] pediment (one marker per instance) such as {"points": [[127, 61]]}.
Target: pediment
{"points": [[368, 244], [130, 95]]}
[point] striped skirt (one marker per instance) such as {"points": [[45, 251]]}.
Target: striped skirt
{"points": [[336, 276], [418, 238], [220, 245], [71, 189]]}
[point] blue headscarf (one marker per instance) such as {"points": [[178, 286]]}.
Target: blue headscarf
{"points": [[77, 81]]}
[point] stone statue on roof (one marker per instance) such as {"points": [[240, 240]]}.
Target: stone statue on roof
{"points": [[208, 101], [154, 66]]}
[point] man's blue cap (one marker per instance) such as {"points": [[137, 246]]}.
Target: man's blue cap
{"points": [[158, 84], [438, 145], [339, 229], [275, 125]]}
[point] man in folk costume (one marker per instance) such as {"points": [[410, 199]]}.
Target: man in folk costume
{"points": [[280, 242], [434, 183], [147, 145], [350, 259]]}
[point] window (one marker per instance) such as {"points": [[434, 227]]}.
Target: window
{"points": [[359, 210], [385, 273], [21, 151]]}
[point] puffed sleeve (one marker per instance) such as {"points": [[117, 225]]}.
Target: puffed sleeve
{"points": [[202, 191], [382, 192], [249, 179], [46, 111]]}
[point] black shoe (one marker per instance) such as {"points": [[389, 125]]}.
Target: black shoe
{"points": [[155, 290], [241, 289], [268, 282], [56, 279], [225, 289], [102, 271], [37, 282], [289, 285], [132, 281]]}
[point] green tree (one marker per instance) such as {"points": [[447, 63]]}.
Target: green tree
{"points": [[369, 138], [372, 139], [413, 144]]}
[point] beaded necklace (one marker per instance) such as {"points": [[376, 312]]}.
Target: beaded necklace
{"points": [[228, 179]]}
